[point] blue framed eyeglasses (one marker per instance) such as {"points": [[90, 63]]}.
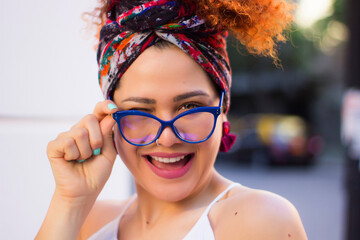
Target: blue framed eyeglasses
{"points": [[192, 126]]}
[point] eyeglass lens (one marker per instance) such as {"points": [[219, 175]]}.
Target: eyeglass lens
{"points": [[192, 127]]}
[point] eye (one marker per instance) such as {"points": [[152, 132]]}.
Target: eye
{"points": [[188, 106], [141, 109]]}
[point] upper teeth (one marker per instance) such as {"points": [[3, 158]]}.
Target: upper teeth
{"points": [[167, 160]]}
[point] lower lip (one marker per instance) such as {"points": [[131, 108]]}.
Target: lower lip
{"points": [[171, 174]]}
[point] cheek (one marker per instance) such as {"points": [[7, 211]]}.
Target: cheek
{"points": [[211, 147], [218, 131]]}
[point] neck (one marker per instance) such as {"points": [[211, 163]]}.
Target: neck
{"points": [[151, 209]]}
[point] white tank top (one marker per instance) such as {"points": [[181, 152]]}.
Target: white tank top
{"points": [[200, 231]]}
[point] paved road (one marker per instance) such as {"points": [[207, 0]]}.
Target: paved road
{"points": [[317, 191]]}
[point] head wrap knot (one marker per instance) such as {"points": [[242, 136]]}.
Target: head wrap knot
{"points": [[134, 25]]}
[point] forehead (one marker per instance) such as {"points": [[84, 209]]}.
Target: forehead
{"points": [[167, 71]]}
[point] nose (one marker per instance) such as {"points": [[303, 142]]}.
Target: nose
{"points": [[168, 138]]}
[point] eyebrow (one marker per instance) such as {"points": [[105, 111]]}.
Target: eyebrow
{"points": [[175, 99], [189, 95], [140, 100]]}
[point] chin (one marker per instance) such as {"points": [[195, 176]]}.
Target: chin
{"points": [[171, 192]]}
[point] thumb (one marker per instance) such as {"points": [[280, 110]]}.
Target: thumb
{"points": [[106, 126]]}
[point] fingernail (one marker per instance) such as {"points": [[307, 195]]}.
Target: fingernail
{"points": [[97, 151], [81, 161], [111, 106]]}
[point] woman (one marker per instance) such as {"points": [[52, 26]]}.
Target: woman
{"points": [[164, 71]]}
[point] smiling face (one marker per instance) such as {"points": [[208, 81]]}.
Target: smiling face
{"points": [[166, 82]]}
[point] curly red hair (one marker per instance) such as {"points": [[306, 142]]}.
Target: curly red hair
{"points": [[258, 24]]}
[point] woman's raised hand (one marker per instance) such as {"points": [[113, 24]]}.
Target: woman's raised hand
{"points": [[82, 158]]}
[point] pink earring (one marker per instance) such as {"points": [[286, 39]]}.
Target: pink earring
{"points": [[228, 139]]}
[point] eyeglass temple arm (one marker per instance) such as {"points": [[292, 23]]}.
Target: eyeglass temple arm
{"points": [[221, 99]]}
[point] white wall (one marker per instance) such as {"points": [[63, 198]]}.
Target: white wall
{"points": [[48, 82]]}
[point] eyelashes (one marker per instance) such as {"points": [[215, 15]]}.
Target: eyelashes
{"points": [[180, 108], [188, 106], [141, 109]]}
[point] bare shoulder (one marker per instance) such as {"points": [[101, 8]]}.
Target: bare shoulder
{"points": [[103, 212], [256, 214]]}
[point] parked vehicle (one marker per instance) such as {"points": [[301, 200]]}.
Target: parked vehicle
{"points": [[275, 139]]}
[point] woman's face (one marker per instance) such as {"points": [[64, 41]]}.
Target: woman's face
{"points": [[159, 82]]}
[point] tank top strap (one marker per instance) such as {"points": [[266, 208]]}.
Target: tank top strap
{"points": [[206, 212]]}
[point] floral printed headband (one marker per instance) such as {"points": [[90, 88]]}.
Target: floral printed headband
{"points": [[134, 25]]}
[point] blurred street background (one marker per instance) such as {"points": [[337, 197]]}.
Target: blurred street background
{"points": [[287, 118]]}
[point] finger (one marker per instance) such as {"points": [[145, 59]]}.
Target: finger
{"points": [[106, 126], [104, 108], [92, 125], [71, 151], [81, 137], [63, 148]]}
